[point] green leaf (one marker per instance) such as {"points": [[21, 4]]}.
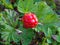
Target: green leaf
{"points": [[51, 3], [47, 31], [9, 34], [26, 36], [49, 40], [7, 4], [45, 14], [58, 38], [9, 21], [38, 28], [25, 6], [10, 17]]}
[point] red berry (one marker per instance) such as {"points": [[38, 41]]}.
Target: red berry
{"points": [[29, 20]]}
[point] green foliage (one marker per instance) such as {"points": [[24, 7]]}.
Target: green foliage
{"points": [[26, 36], [9, 34], [45, 13], [11, 29], [25, 7], [58, 38], [47, 17], [6, 3], [9, 21], [51, 3]]}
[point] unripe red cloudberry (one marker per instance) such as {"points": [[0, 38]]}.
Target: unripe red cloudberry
{"points": [[29, 20]]}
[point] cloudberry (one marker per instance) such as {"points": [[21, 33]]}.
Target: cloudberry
{"points": [[29, 20]]}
